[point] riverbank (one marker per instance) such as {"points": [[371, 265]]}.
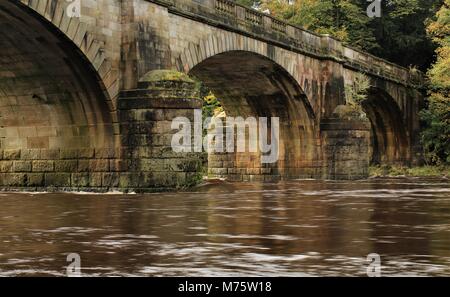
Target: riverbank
{"points": [[422, 171]]}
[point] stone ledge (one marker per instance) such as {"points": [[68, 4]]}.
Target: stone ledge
{"points": [[343, 125], [128, 100]]}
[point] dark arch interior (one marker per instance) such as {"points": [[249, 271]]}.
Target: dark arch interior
{"points": [[49, 96], [389, 137], [248, 84]]}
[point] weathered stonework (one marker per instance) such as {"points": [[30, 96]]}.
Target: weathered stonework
{"points": [[346, 141], [81, 108], [57, 169], [146, 114], [143, 162]]}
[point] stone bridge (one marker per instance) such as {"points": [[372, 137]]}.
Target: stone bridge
{"points": [[84, 105]]}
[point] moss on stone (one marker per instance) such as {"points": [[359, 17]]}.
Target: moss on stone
{"points": [[166, 75], [348, 112]]}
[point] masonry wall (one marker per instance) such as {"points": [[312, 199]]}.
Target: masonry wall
{"points": [[321, 71], [59, 169], [144, 160], [167, 40], [146, 116], [75, 113], [346, 148]]}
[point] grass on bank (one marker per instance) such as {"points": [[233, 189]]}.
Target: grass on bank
{"points": [[423, 171]]}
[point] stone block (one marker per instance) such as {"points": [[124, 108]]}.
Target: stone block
{"points": [[30, 154], [15, 179], [152, 165], [110, 179], [118, 165], [6, 166], [218, 171], [50, 154], [80, 179], [95, 179], [66, 165], [35, 179], [129, 180], [101, 165], [11, 154], [85, 153], [22, 166], [57, 179], [43, 166], [105, 153], [83, 165], [68, 153]]}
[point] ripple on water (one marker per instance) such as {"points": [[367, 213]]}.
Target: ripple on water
{"points": [[296, 228]]}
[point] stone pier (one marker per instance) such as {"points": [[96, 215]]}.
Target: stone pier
{"points": [[346, 144]]}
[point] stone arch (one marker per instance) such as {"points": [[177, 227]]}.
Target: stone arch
{"points": [[223, 42], [227, 42], [251, 83], [53, 13], [390, 139], [52, 94]]}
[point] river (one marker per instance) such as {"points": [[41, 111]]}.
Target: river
{"points": [[295, 228]]}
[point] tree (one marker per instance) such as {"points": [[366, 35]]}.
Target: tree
{"points": [[343, 19], [439, 31], [399, 35], [357, 92], [436, 135], [401, 31]]}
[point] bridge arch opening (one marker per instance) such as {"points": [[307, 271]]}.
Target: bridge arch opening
{"points": [[50, 96], [251, 85], [389, 139]]}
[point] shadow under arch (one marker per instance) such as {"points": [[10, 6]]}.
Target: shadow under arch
{"points": [[251, 85], [389, 137], [50, 95]]}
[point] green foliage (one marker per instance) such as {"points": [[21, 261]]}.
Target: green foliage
{"points": [[343, 19], [166, 75], [399, 35], [439, 31], [436, 135], [248, 3], [401, 31], [407, 33], [356, 93], [424, 171], [211, 105]]}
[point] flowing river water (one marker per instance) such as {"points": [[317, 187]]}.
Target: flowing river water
{"points": [[295, 228]]}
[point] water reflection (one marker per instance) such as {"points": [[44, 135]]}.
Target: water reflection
{"points": [[223, 229]]}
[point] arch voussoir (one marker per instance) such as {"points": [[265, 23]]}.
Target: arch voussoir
{"points": [[75, 30], [212, 45]]}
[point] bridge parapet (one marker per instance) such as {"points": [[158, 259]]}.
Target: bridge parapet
{"points": [[234, 17]]}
